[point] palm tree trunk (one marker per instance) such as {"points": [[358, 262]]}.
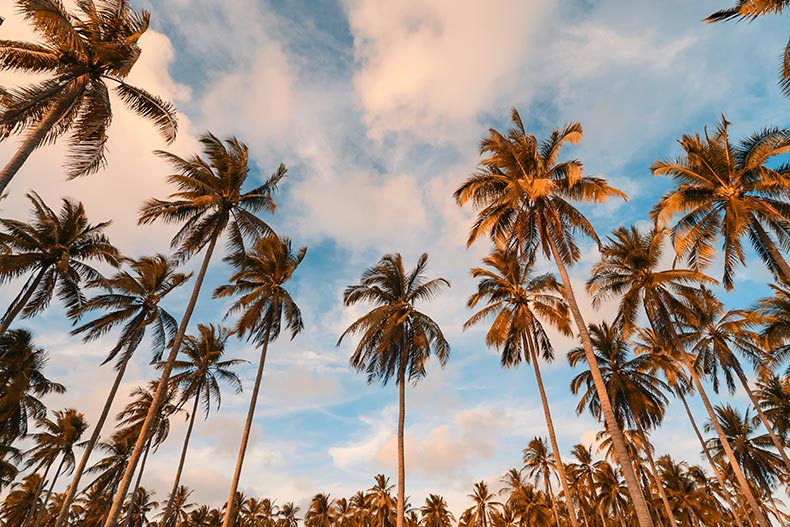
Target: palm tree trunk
{"points": [[156, 403], [672, 521], [618, 441], [736, 468], [72, 490], [168, 509], [716, 471], [401, 421], [553, 437], [246, 434], [776, 257], [601, 515], [21, 300], [130, 512], [32, 511], [776, 441], [49, 492], [34, 139]]}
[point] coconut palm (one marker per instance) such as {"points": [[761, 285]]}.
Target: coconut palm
{"points": [[775, 315], [263, 306], [582, 480], [131, 302], [396, 339], [637, 395], [523, 194], [81, 51], [773, 393], [525, 504], [16, 507], [58, 440], [539, 462], [690, 497], [198, 375], [628, 269], [53, 250], [751, 9], [484, 510], [139, 505], [210, 200], [435, 512], [22, 382], [288, 515], [321, 512], [179, 511], [517, 301], [9, 457], [611, 495], [726, 191]]}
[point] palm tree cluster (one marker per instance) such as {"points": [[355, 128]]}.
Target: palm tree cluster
{"points": [[671, 338]]}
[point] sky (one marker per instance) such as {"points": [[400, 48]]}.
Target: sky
{"points": [[377, 109]]}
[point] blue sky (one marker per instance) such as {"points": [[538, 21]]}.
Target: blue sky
{"points": [[377, 109]]}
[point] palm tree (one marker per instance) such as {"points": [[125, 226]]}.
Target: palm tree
{"points": [[57, 440], [263, 304], [80, 53], [24, 498], [139, 505], [751, 9], [131, 302], [628, 268], [378, 503], [209, 200], [611, 496], [198, 378], [773, 393], [582, 479], [321, 512], [524, 195], [484, 510], [514, 299], [435, 512], [637, 395], [727, 191], [396, 340], [9, 457], [54, 249], [538, 461], [774, 312], [288, 515], [689, 498], [179, 509], [22, 381]]}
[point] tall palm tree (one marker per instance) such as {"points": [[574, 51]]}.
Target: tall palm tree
{"points": [[628, 268], [56, 441], [751, 9], [524, 194], [210, 199], [538, 461], [22, 382], [263, 306], [131, 302], [54, 248], [637, 395], [25, 497], [484, 510], [689, 494], [378, 503], [321, 512], [198, 376], [726, 191], [773, 393], [775, 316], [517, 300], [582, 482], [79, 54], [179, 509], [288, 515], [396, 339], [435, 512]]}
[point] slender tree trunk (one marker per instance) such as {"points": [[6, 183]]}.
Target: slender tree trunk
{"points": [[49, 492], [31, 513], [21, 300], [656, 478], [603, 518], [584, 516], [168, 509], [736, 468], [34, 139], [776, 257], [712, 464], [553, 437], [132, 496], [72, 490], [776, 441], [618, 441], [227, 522], [620, 517], [161, 390], [401, 421]]}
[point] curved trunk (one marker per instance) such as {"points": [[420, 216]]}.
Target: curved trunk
{"points": [[553, 439], [776, 441], [31, 513], [736, 468], [21, 300], [130, 512], [654, 473], [168, 509], [618, 441], [34, 139], [246, 434], [781, 267], [713, 465], [49, 493], [401, 421], [71, 492], [156, 403]]}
